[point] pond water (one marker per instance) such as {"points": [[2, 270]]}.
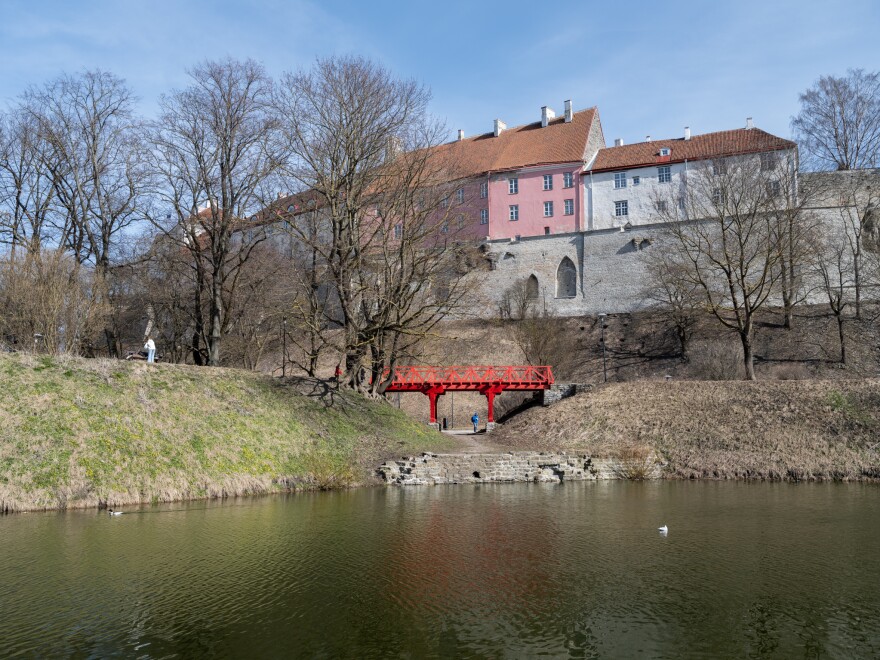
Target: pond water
{"points": [[570, 570]]}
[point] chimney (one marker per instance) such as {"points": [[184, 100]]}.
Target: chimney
{"points": [[546, 115], [687, 132], [500, 126], [618, 142], [460, 135], [647, 138], [569, 115], [749, 123]]}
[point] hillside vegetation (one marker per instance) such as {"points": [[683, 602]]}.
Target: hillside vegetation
{"points": [[792, 430], [79, 433]]}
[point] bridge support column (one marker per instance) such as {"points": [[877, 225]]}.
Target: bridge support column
{"points": [[490, 393], [432, 393]]}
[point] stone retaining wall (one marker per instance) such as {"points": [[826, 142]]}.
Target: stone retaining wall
{"points": [[433, 469]]}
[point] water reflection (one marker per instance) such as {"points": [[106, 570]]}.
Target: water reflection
{"points": [[578, 570]]}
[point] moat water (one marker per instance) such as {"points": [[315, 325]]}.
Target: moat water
{"points": [[571, 570]]}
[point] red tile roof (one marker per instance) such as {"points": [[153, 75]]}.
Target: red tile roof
{"points": [[523, 146], [699, 147]]}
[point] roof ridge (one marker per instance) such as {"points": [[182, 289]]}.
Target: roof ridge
{"points": [[510, 129], [694, 136]]}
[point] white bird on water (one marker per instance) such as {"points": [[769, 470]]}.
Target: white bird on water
{"points": [[114, 513], [663, 530]]}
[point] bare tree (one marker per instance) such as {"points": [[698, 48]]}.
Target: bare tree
{"points": [[730, 246], [90, 144], [48, 296], [363, 142], [795, 230], [678, 298], [216, 150], [838, 126], [519, 299], [833, 268], [26, 187]]}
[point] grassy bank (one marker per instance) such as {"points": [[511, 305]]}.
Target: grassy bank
{"points": [[791, 430], [79, 433]]}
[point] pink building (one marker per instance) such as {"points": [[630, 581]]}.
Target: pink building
{"points": [[525, 181]]}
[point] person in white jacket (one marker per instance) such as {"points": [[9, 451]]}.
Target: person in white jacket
{"points": [[150, 347]]}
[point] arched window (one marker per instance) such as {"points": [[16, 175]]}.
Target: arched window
{"points": [[566, 279], [532, 288]]}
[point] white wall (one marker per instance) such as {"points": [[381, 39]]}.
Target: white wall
{"points": [[641, 198]]}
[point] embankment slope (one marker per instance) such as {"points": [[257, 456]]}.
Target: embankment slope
{"points": [[795, 430], [79, 433]]}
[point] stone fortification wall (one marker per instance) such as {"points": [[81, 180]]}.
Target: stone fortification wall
{"points": [[539, 467], [611, 275]]}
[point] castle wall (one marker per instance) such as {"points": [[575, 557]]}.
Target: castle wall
{"points": [[611, 275]]}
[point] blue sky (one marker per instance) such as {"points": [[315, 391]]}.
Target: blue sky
{"points": [[650, 67]]}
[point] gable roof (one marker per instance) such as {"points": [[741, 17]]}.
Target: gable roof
{"points": [[522, 146], [699, 147]]}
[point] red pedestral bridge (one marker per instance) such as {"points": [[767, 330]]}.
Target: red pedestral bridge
{"points": [[489, 381]]}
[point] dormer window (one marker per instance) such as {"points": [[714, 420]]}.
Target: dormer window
{"points": [[664, 151]]}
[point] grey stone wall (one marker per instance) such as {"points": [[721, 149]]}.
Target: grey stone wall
{"points": [[561, 391], [611, 270], [539, 467]]}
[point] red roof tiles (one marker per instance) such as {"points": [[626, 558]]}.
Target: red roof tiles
{"points": [[699, 147], [523, 146]]}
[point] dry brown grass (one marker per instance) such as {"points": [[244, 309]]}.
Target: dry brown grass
{"points": [[791, 430]]}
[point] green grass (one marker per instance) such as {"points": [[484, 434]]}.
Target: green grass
{"points": [[79, 432]]}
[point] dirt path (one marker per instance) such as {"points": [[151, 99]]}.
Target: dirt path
{"points": [[475, 443]]}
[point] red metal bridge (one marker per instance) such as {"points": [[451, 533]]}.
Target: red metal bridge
{"points": [[487, 380]]}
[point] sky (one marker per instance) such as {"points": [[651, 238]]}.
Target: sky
{"points": [[650, 67]]}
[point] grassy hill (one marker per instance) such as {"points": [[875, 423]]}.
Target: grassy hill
{"points": [[793, 430], [79, 433]]}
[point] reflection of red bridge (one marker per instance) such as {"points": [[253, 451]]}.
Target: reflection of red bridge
{"points": [[436, 381]]}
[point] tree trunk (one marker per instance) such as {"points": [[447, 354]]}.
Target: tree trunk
{"points": [[857, 282], [745, 337], [216, 321], [842, 337], [113, 349]]}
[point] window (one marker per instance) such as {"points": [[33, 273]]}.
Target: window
{"points": [[546, 231], [717, 196], [548, 182], [532, 288], [568, 180], [661, 205], [548, 209], [513, 185], [719, 167], [637, 180], [620, 179], [681, 204], [566, 279], [569, 207], [514, 212], [768, 161], [664, 174], [774, 189], [444, 202], [664, 151], [459, 221], [459, 195], [484, 190], [398, 231], [444, 228], [621, 209], [484, 217]]}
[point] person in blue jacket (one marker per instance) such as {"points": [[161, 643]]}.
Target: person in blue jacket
{"points": [[476, 420]]}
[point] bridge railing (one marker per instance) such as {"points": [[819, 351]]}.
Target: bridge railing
{"points": [[519, 375]]}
